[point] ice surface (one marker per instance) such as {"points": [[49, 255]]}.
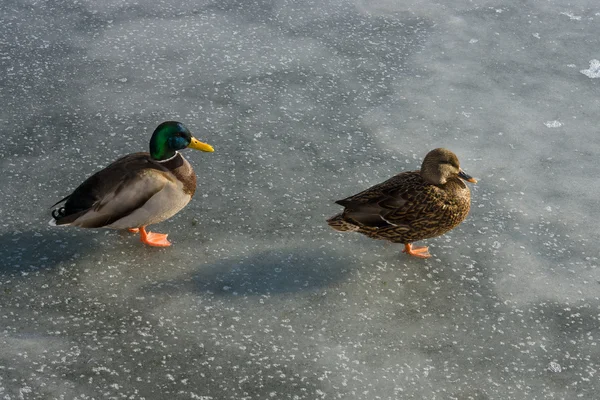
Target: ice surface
{"points": [[305, 102]]}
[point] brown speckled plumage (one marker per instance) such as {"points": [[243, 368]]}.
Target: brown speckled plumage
{"points": [[410, 206]]}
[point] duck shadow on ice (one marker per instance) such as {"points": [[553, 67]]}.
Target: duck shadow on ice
{"points": [[282, 270], [33, 250]]}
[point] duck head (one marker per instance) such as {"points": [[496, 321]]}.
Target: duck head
{"points": [[439, 165], [171, 136]]}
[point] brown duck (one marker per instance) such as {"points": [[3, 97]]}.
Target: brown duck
{"points": [[410, 206], [137, 190]]}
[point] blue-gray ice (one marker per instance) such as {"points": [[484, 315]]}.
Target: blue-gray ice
{"points": [[305, 102]]}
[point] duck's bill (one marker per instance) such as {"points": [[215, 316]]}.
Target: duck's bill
{"points": [[198, 145], [466, 177]]}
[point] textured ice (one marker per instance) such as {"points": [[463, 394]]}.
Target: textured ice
{"points": [[305, 102]]}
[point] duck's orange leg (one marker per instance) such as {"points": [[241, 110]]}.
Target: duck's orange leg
{"points": [[154, 239], [420, 252], [133, 230]]}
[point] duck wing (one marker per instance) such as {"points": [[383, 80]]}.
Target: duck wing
{"points": [[113, 192], [390, 203]]}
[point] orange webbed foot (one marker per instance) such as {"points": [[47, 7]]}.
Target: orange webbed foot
{"points": [[420, 252], [154, 239], [133, 230]]}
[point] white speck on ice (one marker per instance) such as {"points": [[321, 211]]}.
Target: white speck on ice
{"points": [[571, 16], [553, 124], [593, 71], [473, 41], [554, 367]]}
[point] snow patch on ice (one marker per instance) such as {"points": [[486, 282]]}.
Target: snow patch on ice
{"points": [[593, 71]]}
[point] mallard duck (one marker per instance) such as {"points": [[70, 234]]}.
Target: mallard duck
{"points": [[410, 206], [137, 190]]}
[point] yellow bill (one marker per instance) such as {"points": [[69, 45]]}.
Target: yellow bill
{"points": [[198, 145]]}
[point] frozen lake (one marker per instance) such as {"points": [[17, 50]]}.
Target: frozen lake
{"points": [[305, 102]]}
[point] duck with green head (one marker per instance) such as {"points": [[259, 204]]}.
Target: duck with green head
{"points": [[137, 190]]}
